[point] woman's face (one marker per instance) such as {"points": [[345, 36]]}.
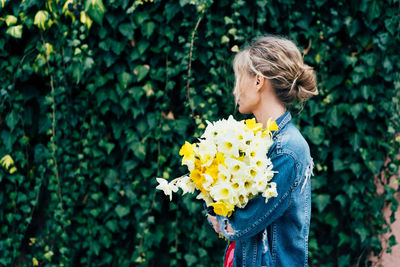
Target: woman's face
{"points": [[248, 95]]}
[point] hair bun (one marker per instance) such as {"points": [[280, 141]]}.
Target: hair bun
{"points": [[305, 84]]}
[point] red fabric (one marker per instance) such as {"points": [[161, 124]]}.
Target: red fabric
{"points": [[229, 255]]}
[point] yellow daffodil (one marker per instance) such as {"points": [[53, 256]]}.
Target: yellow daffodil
{"points": [[187, 151], [252, 125], [271, 125], [222, 208]]}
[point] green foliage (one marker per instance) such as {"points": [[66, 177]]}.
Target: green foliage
{"points": [[96, 101]]}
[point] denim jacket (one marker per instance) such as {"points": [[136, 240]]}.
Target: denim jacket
{"points": [[276, 233]]}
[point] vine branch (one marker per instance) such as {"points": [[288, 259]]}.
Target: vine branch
{"points": [[53, 128], [190, 57]]}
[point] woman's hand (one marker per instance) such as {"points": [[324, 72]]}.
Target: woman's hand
{"points": [[213, 220], [215, 224]]}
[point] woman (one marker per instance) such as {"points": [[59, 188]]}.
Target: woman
{"points": [[270, 77]]}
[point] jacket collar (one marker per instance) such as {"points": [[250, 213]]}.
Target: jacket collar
{"points": [[281, 122]]}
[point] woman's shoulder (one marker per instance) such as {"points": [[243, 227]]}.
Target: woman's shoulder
{"points": [[290, 141]]}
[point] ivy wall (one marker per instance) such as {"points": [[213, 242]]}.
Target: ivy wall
{"points": [[97, 98]]}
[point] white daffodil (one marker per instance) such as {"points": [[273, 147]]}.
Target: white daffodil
{"points": [[168, 188], [236, 167], [258, 152], [269, 174], [207, 151], [260, 183], [208, 182], [223, 173], [254, 171], [186, 185], [228, 145], [189, 163], [243, 199], [207, 199], [270, 191], [214, 130], [247, 140], [222, 190], [249, 186]]}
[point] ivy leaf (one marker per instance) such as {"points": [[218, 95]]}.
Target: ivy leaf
{"points": [[138, 149], [95, 9], [125, 79], [15, 31], [343, 239], [148, 28], [331, 219], [342, 200], [112, 225], [121, 210], [141, 72], [190, 259], [11, 20], [321, 201], [344, 260], [12, 120], [362, 232], [315, 134], [41, 18], [126, 30], [89, 63]]}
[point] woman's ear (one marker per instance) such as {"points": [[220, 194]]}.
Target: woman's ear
{"points": [[259, 81]]}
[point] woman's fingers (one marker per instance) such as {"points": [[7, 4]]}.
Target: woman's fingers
{"points": [[229, 228], [215, 223]]}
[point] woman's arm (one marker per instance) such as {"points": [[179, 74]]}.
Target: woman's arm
{"points": [[257, 214]]}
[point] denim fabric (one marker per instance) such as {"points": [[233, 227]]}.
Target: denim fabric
{"points": [[276, 233]]}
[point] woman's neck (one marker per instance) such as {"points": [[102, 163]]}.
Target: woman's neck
{"points": [[268, 109]]}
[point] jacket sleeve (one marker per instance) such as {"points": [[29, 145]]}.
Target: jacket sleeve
{"points": [[257, 215]]}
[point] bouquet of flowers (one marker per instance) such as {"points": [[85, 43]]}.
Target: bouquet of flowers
{"points": [[229, 165]]}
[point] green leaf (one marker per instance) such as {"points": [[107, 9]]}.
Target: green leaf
{"points": [[142, 46], [95, 9], [12, 120], [171, 9], [321, 201], [141, 71], [362, 232], [190, 259], [109, 147], [112, 225], [121, 210], [125, 79], [356, 169], [41, 18], [334, 117], [138, 149], [148, 28], [89, 63], [338, 165], [331, 219], [342, 200], [344, 260], [11, 20], [15, 31], [315, 134], [224, 39], [126, 30], [343, 239]]}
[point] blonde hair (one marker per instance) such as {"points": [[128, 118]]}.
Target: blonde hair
{"points": [[279, 60]]}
